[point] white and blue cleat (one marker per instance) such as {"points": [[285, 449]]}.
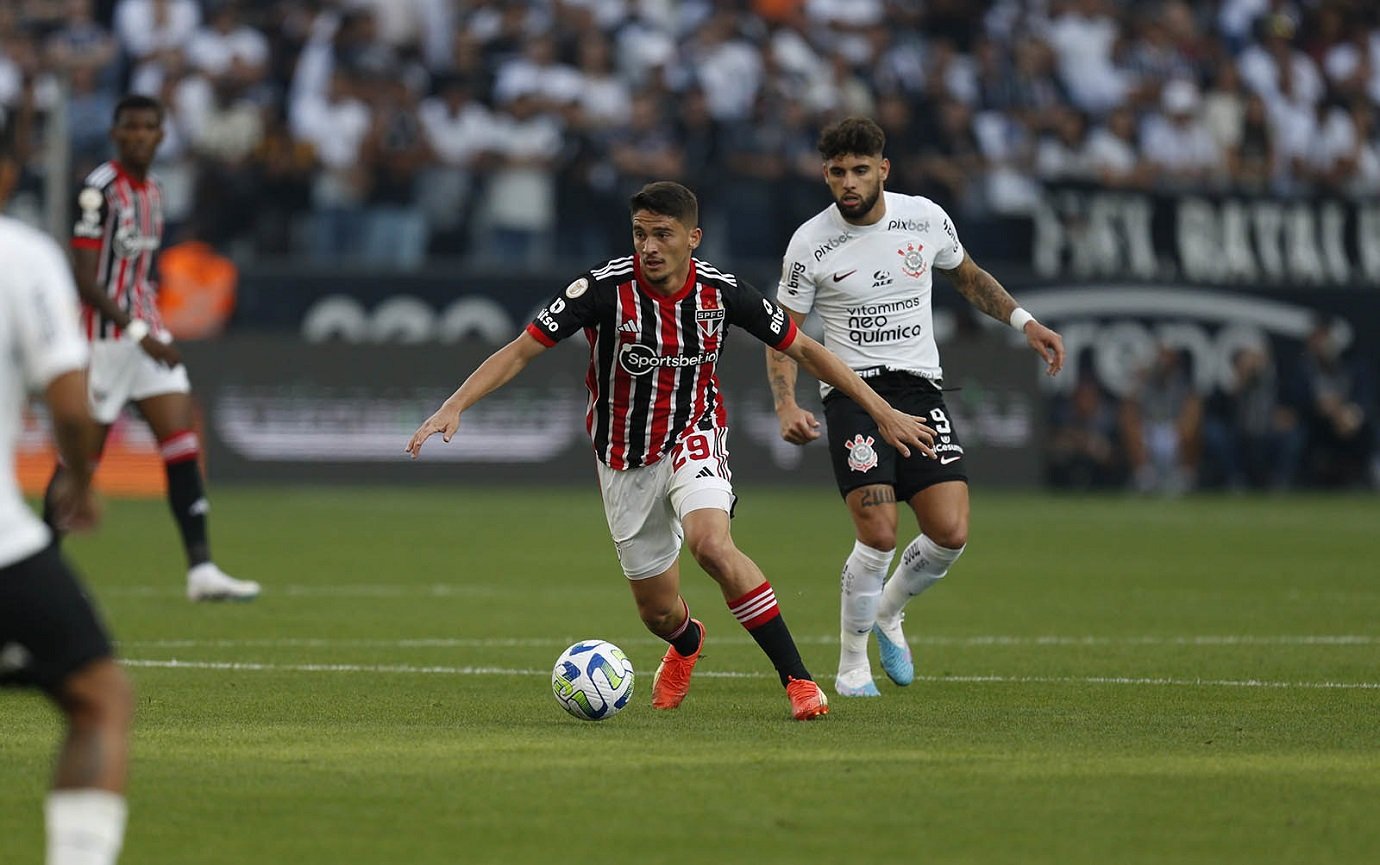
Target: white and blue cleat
{"points": [[856, 683], [894, 652]]}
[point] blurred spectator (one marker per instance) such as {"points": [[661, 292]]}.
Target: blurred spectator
{"points": [[1162, 426], [397, 154], [1062, 152], [89, 109], [1335, 397], [1113, 155], [1084, 33], [336, 127], [538, 74], [1084, 452], [80, 43], [983, 101], [1277, 70], [457, 129], [1252, 163], [1178, 143], [519, 210], [284, 167], [646, 148], [1353, 63], [228, 48], [1251, 440], [154, 35]]}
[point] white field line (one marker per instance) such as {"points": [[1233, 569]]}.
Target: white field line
{"points": [[173, 589], [240, 666], [562, 642]]}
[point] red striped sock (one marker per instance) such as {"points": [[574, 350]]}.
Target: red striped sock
{"points": [[757, 611], [179, 447], [756, 608]]}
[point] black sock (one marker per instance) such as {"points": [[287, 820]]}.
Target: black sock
{"points": [[188, 502], [775, 639], [689, 639]]}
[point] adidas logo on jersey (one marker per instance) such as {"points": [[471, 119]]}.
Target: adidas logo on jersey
{"points": [[628, 326], [704, 472]]}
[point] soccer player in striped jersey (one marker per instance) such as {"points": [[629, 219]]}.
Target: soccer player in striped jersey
{"points": [[118, 230], [865, 265], [656, 323], [50, 635]]}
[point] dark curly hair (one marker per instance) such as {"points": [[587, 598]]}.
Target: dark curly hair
{"points": [[858, 136]]}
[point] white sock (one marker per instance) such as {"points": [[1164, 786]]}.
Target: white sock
{"points": [[923, 564], [85, 827], [863, 574]]}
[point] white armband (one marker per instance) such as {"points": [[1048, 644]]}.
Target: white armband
{"points": [[1020, 318], [136, 330]]}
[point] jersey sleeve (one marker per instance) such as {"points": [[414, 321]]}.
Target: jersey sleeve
{"points": [[950, 254], [796, 290], [568, 313], [92, 212], [49, 340], [759, 316]]}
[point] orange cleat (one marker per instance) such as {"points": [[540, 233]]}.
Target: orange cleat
{"points": [[807, 700], [672, 680]]}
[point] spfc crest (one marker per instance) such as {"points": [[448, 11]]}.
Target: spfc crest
{"points": [[912, 262], [861, 456], [710, 321]]}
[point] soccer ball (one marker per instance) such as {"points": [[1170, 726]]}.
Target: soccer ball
{"points": [[593, 680]]}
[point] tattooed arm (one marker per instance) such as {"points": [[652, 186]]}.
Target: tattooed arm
{"points": [[982, 289], [986, 294], [798, 425]]}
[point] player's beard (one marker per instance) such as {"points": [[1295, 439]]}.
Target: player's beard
{"points": [[864, 205]]}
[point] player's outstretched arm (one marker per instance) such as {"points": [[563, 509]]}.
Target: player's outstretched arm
{"points": [[900, 430], [798, 426], [496, 371], [984, 292]]}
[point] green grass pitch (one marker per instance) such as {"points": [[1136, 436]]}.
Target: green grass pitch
{"points": [[1101, 680]]}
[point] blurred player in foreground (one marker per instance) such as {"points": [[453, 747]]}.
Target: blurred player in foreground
{"points": [[50, 637]]}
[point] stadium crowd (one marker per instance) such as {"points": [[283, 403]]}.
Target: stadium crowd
{"points": [[390, 130], [386, 133]]}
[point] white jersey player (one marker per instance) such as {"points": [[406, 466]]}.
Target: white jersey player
{"points": [[865, 265], [50, 637]]}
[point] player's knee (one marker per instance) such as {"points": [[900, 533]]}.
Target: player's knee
{"points": [[878, 537], [951, 535], [99, 695], [714, 552]]}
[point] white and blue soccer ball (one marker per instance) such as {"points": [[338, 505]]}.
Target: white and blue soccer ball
{"points": [[593, 680]]}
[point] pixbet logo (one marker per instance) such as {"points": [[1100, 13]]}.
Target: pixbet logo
{"points": [[830, 245]]}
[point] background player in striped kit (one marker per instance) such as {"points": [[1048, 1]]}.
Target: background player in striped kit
{"points": [[133, 359], [50, 636], [865, 265], [656, 322]]}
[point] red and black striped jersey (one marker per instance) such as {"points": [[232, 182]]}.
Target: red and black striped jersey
{"points": [[122, 217], [652, 359]]}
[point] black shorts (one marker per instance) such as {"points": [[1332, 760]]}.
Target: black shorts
{"points": [[48, 627], [861, 457]]}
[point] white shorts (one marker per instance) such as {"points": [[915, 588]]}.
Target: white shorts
{"points": [[645, 506], [122, 372]]}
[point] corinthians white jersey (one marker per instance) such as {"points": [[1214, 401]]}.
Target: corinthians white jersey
{"points": [[39, 340], [872, 284]]}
